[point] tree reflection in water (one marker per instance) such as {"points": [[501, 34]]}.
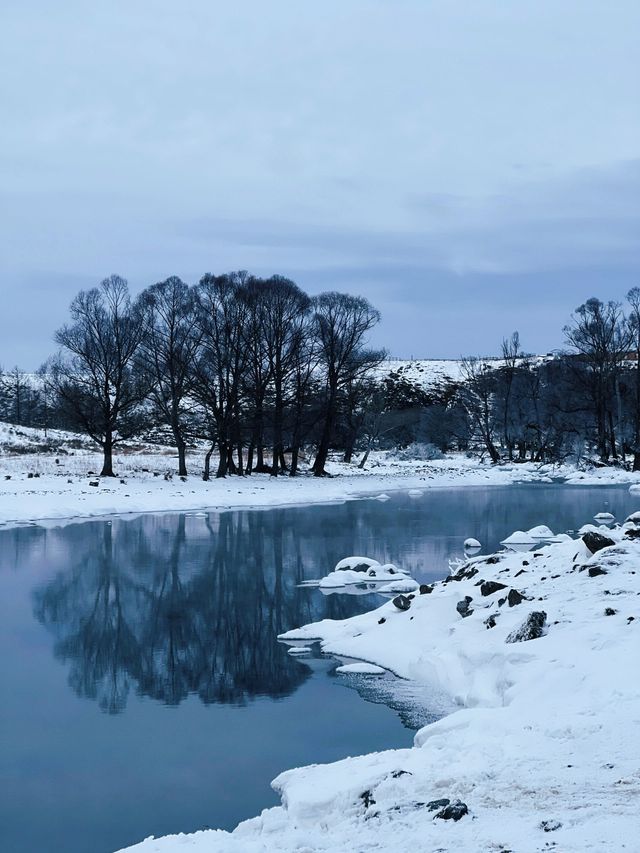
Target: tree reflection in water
{"points": [[171, 606]]}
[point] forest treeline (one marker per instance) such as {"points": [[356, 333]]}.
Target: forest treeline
{"points": [[266, 375]]}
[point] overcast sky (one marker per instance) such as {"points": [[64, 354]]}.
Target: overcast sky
{"points": [[471, 167]]}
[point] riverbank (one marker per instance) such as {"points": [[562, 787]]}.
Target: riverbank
{"points": [[53, 479], [542, 753]]}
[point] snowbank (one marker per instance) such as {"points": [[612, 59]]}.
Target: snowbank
{"points": [[544, 750], [53, 478]]}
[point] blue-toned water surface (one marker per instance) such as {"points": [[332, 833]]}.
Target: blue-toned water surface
{"points": [[143, 688]]}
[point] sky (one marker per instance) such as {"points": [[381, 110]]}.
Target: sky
{"points": [[473, 168]]}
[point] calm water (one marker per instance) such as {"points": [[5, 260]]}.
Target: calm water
{"points": [[143, 689]]}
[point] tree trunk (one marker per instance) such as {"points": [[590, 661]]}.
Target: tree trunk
{"points": [[363, 461], [206, 474], [295, 452], [323, 445], [222, 462], [107, 448]]}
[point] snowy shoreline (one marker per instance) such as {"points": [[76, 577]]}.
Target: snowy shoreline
{"points": [[543, 749], [44, 488]]}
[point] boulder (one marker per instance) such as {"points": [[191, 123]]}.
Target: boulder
{"points": [[514, 597], [434, 805], [596, 541], [425, 589], [489, 587], [532, 628], [463, 606], [594, 571], [402, 602], [454, 811]]}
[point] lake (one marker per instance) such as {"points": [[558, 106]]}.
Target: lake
{"points": [[144, 691]]}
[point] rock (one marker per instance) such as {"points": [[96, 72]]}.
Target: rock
{"points": [[489, 587], [367, 799], [514, 597], [94, 483], [381, 620], [596, 541], [453, 811], [550, 825], [402, 602], [425, 589], [491, 561], [594, 571], [463, 606], [434, 805], [609, 611], [532, 628], [491, 621]]}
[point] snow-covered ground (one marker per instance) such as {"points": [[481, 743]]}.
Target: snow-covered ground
{"points": [[54, 478], [544, 751]]}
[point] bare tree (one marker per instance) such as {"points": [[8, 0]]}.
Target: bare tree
{"points": [[93, 375], [600, 335], [342, 323], [284, 326], [477, 396], [633, 298], [168, 352], [222, 312]]}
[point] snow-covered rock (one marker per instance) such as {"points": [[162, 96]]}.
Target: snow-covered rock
{"points": [[356, 564], [541, 532], [375, 573], [471, 544], [401, 585], [360, 668]]}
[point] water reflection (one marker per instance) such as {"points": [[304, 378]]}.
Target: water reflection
{"points": [[173, 606]]}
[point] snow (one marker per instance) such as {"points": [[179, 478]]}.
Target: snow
{"points": [[375, 574], [400, 585], [540, 532], [356, 564], [360, 669], [544, 746], [520, 538], [47, 478], [471, 544]]}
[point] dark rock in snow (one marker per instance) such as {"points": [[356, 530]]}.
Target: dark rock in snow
{"points": [[501, 601], [463, 606], [402, 602], [596, 541], [489, 587], [532, 628], [425, 589], [367, 799], [609, 611], [491, 561], [594, 571], [454, 811], [550, 825], [491, 621], [381, 621], [434, 805], [515, 597]]}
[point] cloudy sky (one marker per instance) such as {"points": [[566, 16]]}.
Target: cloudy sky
{"points": [[471, 167]]}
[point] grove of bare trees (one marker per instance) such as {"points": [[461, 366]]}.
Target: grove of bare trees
{"points": [[260, 375]]}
